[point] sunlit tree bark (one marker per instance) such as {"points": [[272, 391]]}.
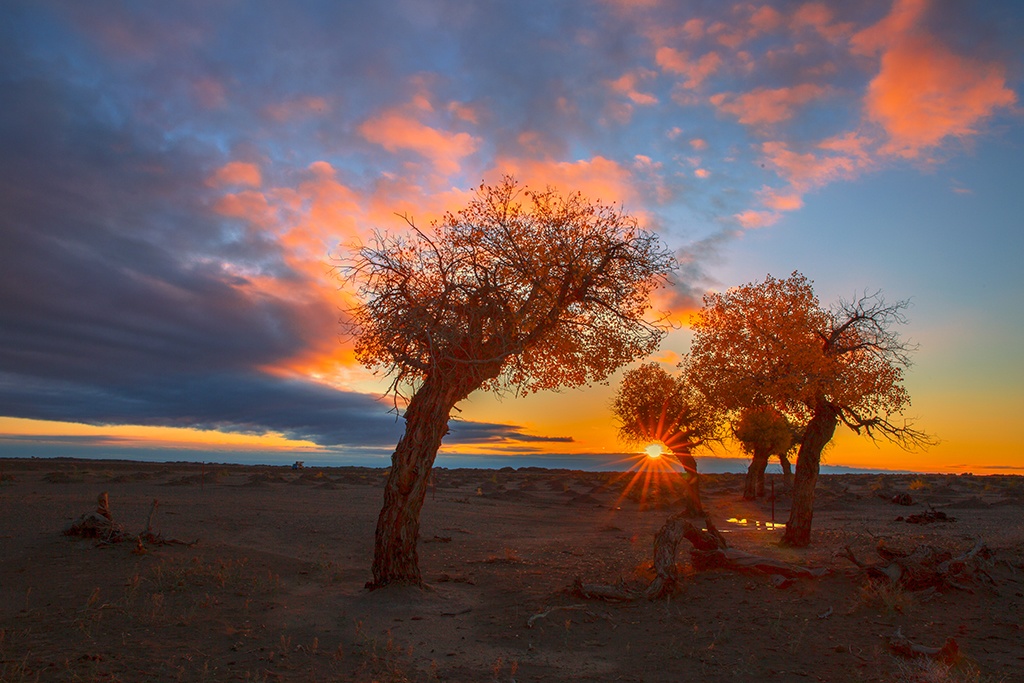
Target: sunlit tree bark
{"points": [[520, 289]]}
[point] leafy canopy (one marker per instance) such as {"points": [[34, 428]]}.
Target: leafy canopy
{"points": [[772, 343], [520, 288], [763, 431], [653, 405]]}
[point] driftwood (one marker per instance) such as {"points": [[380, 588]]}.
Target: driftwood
{"points": [[100, 524], [900, 645], [925, 567]]}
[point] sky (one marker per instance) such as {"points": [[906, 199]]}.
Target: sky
{"points": [[178, 180]]}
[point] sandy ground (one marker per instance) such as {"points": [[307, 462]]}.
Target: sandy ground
{"points": [[273, 590]]}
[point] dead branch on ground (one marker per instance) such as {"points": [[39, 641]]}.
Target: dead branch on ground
{"points": [[925, 567]]}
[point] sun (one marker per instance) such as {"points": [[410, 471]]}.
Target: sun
{"points": [[655, 450]]}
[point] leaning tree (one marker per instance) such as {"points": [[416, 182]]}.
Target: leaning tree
{"points": [[521, 289], [773, 341]]}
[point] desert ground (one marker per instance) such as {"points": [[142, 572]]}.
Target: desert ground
{"points": [[269, 582]]}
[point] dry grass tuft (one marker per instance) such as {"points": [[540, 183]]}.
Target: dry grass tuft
{"points": [[923, 670], [891, 598]]}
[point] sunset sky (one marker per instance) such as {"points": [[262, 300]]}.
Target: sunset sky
{"points": [[176, 180]]}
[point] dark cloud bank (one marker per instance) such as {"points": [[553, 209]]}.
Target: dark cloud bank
{"points": [[115, 303]]}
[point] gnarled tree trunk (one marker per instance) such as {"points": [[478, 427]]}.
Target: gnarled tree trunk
{"points": [[819, 432], [395, 556]]}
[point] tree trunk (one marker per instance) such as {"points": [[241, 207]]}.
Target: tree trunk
{"points": [[753, 484], [395, 556], [787, 472], [819, 432], [762, 465]]}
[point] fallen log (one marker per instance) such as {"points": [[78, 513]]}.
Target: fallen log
{"points": [[924, 567]]}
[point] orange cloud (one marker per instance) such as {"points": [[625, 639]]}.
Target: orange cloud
{"points": [[694, 29], [702, 173], [772, 199], [396, 131], [626, 86], [901, 20], [249, 206], [765, 18], [766, 106], [751, 219], [694, 71], [597, 178], [699, 144], [817, 16], [464, 112], [924, 93], [236, 173], [292, 109], [808, 170]]}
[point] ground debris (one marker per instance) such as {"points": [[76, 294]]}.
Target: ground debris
{"points": [[709, 551], [100, 524], [902, 646], [581, 608], [618, 592], [926, 567], [929, 516]]}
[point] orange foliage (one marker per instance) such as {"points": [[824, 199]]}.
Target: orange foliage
{"points": [[772, 342], [551, 290]]}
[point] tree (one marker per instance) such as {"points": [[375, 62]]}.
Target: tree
{"points": [[524, 289], [772, 341], [652, 404], [763, 432]]}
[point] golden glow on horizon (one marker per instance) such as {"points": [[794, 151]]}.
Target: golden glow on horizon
{"points": [[655, 450], [155, 437]]}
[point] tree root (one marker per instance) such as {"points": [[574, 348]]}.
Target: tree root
{"points": [[925, 567]]}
